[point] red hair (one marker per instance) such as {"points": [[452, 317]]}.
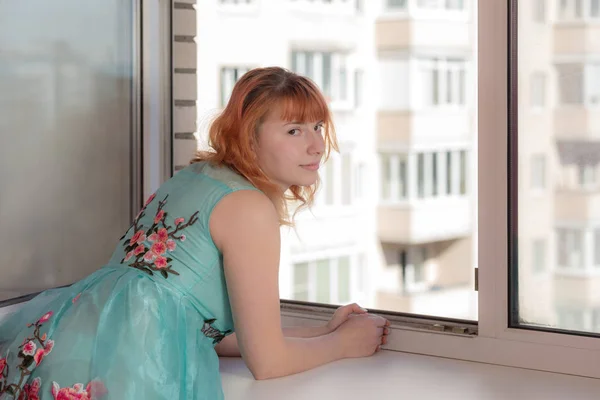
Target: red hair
{"points": [[233, 134]]}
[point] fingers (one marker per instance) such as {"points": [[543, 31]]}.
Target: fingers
{"points": [[355, 308]]}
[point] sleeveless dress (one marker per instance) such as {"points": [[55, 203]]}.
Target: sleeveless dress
{"points": [[143, 326]]}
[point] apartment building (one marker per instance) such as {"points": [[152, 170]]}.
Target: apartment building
{"points": [[393, 223]]}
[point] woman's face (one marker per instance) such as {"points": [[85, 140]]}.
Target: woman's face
{"points": [[290, 152]]}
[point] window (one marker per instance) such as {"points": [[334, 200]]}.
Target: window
{"points": [[570, 83], [301, 281], [539, 10], [229, 76], [587, 176], [570, 249], [575, 10], [538, 90], [538, 256], [396, 4], [346, 179], [538, 171], [443, 81], [82, 92], [328, 280], [597, 247], [440, 4], [358, 88], [319, 66]]}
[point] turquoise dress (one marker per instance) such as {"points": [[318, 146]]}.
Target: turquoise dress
{"points": [[143, 326]]}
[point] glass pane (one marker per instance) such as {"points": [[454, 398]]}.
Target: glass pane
{"points": [[558, 159], [323, 281], [301, 288], [343, 280], [417, 106], [66, 118]]}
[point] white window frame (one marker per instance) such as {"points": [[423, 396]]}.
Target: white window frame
{"points": [[495, 342]]}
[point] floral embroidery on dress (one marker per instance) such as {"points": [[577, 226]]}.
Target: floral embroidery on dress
{"points": [[95, 389], [31, 352], [212, 332], [149, 248]]}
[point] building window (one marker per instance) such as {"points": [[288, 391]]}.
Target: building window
{"points": [[421, 175], [570, 248], [323, 281], [570, 83], [538, 90], [448, 172], [329, 182], [539, 10], [396, 4], [443, 82], [301, 289], [539, 255], [587, 176], [463, 172], [597, 247], [343, 280], [326, 280], [346, 179], [319, 67], [386, 184], [538, 171], [358, 88], [229, 76], [441, 4]]}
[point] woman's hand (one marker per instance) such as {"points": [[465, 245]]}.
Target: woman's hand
{"points": [[362, 335], [342, 314]]}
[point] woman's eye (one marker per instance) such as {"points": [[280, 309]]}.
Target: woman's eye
{"points": [[318, 127], [294, 132]]}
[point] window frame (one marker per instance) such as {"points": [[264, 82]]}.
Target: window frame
{"points": [[491, 339], [153, 159]]}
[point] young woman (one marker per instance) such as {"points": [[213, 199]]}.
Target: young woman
{"points": [[199, 261]]}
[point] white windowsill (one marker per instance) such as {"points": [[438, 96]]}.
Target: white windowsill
{"points": [[395, 375]]}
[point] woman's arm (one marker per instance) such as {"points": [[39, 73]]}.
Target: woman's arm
{"points": [[245, 227], [228, 347]]}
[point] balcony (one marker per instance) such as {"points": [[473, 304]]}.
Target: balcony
{"points": [[577, 205], [425, 221], [402, 33], [577, 122], [576, 38], [401, 128]]}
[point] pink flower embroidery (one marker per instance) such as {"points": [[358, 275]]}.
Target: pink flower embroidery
{"points": [[158, 248], [160, 262], [128, 256], [45, 317], [48, 347], [44, 337], [153, 238], [95, 389], [182, 238], [171, 245], [139, 250], [29, 348], [149, 256], [74, 301], [152, 196], [179, 221], [39, 356], [159, 216], [138, 237], [163, 235], [31, 391], [2, 365]]}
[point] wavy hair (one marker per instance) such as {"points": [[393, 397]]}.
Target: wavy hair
{"points": [[233, 133]]}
